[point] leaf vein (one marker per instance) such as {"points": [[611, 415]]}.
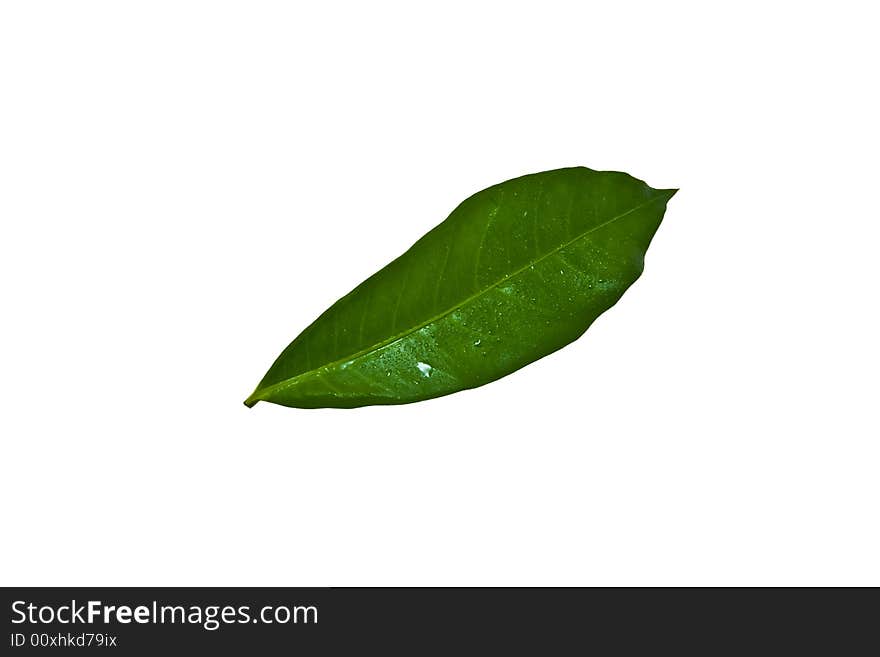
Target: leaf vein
{"points": [[283, 385]]}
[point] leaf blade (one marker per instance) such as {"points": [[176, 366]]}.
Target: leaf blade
{"points": [[502, 263]]}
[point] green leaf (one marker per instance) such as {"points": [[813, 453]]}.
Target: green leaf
{"points": [[516, 272]]}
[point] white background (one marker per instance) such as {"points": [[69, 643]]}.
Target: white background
{"points": [[184, 186]]}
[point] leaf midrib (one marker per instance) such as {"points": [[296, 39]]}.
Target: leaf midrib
{"points": [[260, 394]]}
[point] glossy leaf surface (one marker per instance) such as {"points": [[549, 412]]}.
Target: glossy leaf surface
{"points": [[516, 272]]}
